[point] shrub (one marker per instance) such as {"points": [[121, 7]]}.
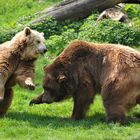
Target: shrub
{"points": [[111, 32], [105, 31], [52, 27], [61, 33], [56, 43], [7, 34], [49, 26], [133, 12]]}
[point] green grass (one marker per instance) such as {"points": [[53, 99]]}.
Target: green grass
{"points": [[13, 11], [51, 122]]}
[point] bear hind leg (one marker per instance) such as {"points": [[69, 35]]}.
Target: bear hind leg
{"points": [[116, 102], [1, 89], [1, 92], [116, 114], [6, 102]]}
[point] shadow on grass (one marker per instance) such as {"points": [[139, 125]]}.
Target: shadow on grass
{"points": [[57, 122], [54, 121]]}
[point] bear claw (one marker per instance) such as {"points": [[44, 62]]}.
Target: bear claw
{"points": [[30, 86]]}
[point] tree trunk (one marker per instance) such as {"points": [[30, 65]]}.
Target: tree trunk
{"points": [[78, 9]]}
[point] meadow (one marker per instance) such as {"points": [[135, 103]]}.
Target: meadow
{"points": [[51, 121]]}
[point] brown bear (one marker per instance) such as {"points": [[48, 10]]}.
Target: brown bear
{"points": [[84, 69], [17, 58], [25, 73]]}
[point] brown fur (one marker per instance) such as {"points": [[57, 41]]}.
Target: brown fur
{"points": [[84, 69], [25, 71], [5, 104], [16, 66]]}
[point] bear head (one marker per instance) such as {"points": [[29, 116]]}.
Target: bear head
{"points": [[33, 43], [58, 83]]}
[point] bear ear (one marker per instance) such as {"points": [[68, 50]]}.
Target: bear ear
{"points": [[27, 31], [61, 78], [42, 33]]}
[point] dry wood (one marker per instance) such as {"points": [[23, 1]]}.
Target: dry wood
{"points": [[78, 9]]}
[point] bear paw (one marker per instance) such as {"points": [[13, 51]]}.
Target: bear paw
{"points": [[117, 119], [29, 84]]}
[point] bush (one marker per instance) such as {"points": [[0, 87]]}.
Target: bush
{"points": [[58, 34], [105, 31], [56, 43], [7, 34], [49, 26], [133, 11], [52, 27], [110, 32]]}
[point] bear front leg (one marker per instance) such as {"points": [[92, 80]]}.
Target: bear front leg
{"points": [[26, 82], [5, 104], [29, 83], [82, 100], [25, 74]]}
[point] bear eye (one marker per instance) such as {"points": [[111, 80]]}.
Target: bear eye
{"points": [[38, 41]]}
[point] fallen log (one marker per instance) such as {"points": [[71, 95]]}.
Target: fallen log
{"points": [[78, 9]]}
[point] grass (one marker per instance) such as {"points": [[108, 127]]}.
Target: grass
{"points": [[12, 11], [51, 122]]}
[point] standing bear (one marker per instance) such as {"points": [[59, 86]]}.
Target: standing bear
{"points": [[84, 69], [17, 58]]}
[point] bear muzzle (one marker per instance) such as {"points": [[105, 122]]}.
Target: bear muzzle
{"points": [[42, 49], [47, 98]]}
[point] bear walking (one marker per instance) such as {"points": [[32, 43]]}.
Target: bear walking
{"points": [[84, 69], [17, 59]]}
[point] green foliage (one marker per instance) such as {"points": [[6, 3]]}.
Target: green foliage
{"points": [[104, 31], [56, 43], [110, 32], [5, 35], [52, 27], [12, 10], [107, 31], [16, 14], [133, 12], [49, 27]]}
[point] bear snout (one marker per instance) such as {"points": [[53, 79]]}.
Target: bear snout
{"points": [[46, 98], [42, 49], [45, 50]]}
